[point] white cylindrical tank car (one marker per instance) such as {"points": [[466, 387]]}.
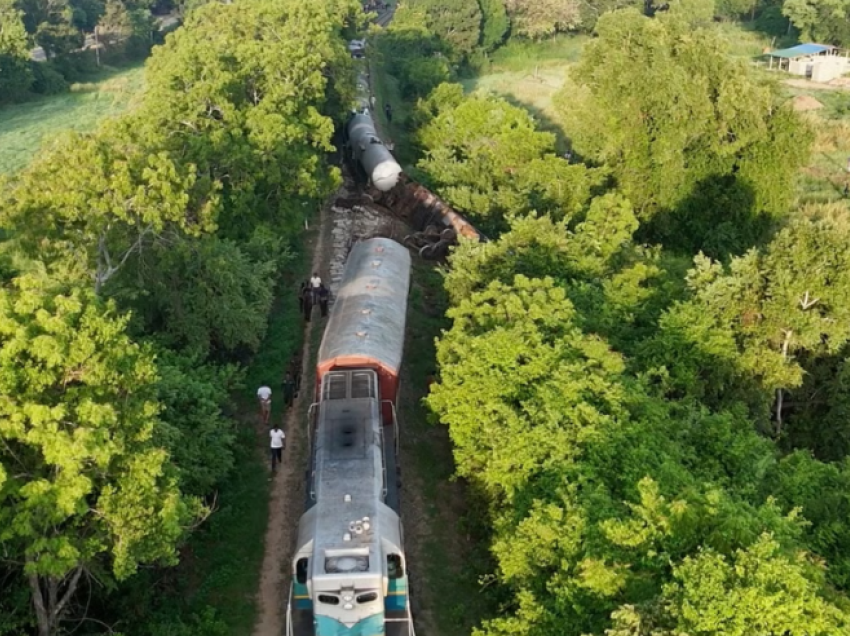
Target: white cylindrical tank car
{"points": [[369, 151]]}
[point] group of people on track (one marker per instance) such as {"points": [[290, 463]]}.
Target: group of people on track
{"points": [[310, 294]]}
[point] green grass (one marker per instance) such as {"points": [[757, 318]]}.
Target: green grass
{"points": [[530, 74], [386, 90], [24, 127]]}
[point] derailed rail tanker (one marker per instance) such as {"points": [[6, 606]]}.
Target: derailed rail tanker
{"points": [[366, 147], [349, 572]]}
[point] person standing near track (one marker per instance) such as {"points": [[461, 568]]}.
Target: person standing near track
{"points": [[278, 442], [264, 395], [315, 284]]}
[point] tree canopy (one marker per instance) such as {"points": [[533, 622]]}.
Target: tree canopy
{"points": [[80, 477], [685, 129]]}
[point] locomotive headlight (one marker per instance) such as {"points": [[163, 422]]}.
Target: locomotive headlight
{"points": [[348, 606], [347, 598]]}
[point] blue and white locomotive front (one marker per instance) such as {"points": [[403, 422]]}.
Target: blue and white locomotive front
{"points": [[349, 568]]}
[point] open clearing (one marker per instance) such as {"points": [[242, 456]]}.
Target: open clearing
{"points": [[23, 127]]}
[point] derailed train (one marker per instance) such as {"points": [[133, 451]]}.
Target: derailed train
{"points": [[366, 148], [349, 572]]}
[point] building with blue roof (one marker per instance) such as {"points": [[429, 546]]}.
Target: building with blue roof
{"points": [[818, 62]]}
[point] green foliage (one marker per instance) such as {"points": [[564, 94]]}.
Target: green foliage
{"points": [[15, 75], [595, 487], [537, 19], [120, 197], [694, 140], [206, 295], [522, 332], [490, 162], [81, 478], [47, 80], [695, 13], [456, 22], [495, 23], [747, 327], [759, 591], [414, 55], [256, 132], [820, 20], [195, 432]]}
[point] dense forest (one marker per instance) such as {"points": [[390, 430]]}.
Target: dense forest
{"points": [[139, 267], [644, 377]]}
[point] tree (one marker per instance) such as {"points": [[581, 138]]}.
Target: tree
{"points": [[514, 370], [820, 20], [537, 19], [761, 591], [495, 23], [490, 162], [250, 116], [208, 295], [119, 198], [199, 437], [414, 55], [683, 125], [15, 75], [58, 39], [456, 22], [754, 321], [80, 479]]}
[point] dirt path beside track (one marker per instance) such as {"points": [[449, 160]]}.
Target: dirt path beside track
{"points": [[286, 501]]}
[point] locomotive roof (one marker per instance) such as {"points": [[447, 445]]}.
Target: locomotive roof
{"points": [[349, 464], [366, 326]]}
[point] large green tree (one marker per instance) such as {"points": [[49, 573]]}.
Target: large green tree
{"points": [[537, 19], [489, 161], [15, 75], [702, 147], [81, 481], [244, 92], [495, 23], [600, 495], [749, 327], [820, 20], [118, 199], [456, 22]]}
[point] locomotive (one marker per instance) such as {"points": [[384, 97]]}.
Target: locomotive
{"points": [[349, 571]]}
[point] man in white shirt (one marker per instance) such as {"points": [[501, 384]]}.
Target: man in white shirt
{"points": [[278, 443], [315, 284], [264, 394]]}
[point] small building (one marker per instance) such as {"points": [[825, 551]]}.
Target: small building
{"points": [[817, 62]]}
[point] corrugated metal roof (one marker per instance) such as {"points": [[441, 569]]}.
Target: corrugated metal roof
{"points": [[368, 316], [802, 50]]}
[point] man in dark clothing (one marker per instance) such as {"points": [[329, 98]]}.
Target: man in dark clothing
{"points": [[388, 111], [301, 296], [308, 304], [324, 296], [288, 389]]}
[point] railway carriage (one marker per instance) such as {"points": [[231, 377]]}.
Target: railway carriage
{"points": [[350, 575]]}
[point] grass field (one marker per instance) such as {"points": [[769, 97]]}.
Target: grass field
{"points": [[23, 127]]}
